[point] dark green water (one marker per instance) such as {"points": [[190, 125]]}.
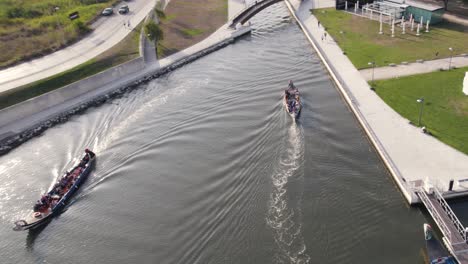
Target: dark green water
{"points": [[204, 166]]}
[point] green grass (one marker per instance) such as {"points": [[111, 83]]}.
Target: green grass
{"points": [[445, 112], [30, 29], [191, 32], [124, 51], [359, 39], [169, 18]]}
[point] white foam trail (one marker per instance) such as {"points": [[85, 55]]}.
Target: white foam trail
{"points": [[286, 218]]}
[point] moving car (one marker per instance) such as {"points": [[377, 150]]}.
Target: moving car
{"points": [[124, 9], [108, 11]]}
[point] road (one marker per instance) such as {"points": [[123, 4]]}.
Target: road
{"points": [[107, 32], [388, 72]]}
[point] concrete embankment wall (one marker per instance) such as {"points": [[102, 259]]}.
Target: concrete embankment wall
{"points": [[348, 97], [76, 89], [28, 119]]}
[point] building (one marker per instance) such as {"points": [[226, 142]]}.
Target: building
{"points": [[396, 9], [426, 11]]}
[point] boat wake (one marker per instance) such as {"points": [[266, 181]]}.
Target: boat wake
{"points": [[284, 213]]}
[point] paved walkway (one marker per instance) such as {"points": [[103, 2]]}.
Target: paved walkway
{"points": [[409, 154], [389, 72], [107, 32], [234, 7], [455, 19]]}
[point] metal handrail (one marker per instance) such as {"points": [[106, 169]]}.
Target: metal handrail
{"points": [[450, 213], [437, 218], [255, 3]]}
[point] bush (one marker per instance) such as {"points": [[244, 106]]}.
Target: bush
{"points": [[18, 12], [92, 2], [154, 32], [81, 27]]}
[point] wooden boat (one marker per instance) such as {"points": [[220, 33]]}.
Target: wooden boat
{"points": [[292, 101], [54, 201], [435, 251]]}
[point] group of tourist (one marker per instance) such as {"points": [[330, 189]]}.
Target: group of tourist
{"points": [[50, 199], [291, 97]]}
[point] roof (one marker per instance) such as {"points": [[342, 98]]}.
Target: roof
{"points": [[421, 5]]}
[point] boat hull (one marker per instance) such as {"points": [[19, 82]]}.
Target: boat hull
{"points": [[36, 219]]}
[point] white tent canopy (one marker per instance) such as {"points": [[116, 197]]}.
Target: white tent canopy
{"points": [[465, 84]]}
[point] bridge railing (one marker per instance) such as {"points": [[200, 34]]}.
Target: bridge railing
{"points": [[246, 7], [437, 218], [251, 4], [450, 214]]}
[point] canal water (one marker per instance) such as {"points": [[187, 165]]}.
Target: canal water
{"points": [[203, 165]]}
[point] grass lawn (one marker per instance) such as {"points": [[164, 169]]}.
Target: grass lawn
{"points": [[445, 112], [190, 21], [124, 51], [30, 29], [192, 32], [362, 43]]}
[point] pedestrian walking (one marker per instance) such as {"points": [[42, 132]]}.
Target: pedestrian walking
{"points": [[124, 24], [325, 35], [322, 37], [318, 23], [128, 24]]}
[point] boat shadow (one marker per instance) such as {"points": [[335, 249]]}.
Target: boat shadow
{"points": [[34, 233]]}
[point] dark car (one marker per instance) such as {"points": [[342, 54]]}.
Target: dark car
{"points": [[124, 9], [107, 12]]}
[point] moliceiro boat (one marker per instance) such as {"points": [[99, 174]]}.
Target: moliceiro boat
{"points": [[292, 101], [53, 202]]}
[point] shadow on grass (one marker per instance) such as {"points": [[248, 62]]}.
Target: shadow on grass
{"points": [[452, 26], [164, 51]]}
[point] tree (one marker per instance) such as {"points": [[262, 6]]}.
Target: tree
{"points": [[154, 32], [159, 14], [158, 10]]}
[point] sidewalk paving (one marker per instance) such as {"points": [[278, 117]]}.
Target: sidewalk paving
{"points": [[388, 72], [107, 32], [409, 154]]}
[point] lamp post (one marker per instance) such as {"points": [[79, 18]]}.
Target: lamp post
{"points": [[372, 63], [421, 102], [451, 54]]}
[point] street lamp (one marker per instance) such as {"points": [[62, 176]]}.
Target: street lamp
{"points": [[451, 53], [420, 101], [372, 63]]}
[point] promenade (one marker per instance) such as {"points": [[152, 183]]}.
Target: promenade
{"points": [[388, 72], [409, 154]]}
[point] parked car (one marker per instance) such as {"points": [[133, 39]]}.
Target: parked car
{"points": [[108, 11], [124, 9]]}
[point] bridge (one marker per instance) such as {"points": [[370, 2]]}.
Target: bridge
{"points": [[455, 234], [250, 11]]}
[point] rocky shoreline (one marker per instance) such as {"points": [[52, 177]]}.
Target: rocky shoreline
{"points": [[9, 143]]}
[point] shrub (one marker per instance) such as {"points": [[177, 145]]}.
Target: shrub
{"points": [[17, 12], [154, 32], [81, 27]]}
